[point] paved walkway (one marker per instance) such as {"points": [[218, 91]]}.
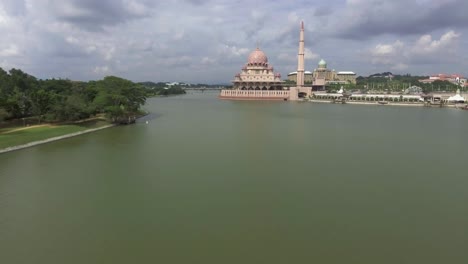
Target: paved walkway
{"points": [[25, 128]]}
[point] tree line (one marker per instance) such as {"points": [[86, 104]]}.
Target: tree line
{"points": [[58, 100], [386, 82], [397, 83]]}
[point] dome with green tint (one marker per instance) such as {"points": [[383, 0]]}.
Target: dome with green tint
{"points": [[322, 64]]}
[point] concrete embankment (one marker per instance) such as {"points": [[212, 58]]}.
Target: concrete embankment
{"points": [[390, 104], [368, 103], [35, 143]]}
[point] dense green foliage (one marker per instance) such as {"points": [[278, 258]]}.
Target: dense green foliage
{"points": [[24, 96]]}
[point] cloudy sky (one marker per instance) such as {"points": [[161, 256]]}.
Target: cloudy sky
{"points": [[208, 41]]}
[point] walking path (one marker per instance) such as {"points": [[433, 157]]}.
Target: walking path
{"points": [[35, 143], [25, 128]]}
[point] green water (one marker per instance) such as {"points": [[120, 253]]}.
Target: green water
{"points": [[211, 181]]}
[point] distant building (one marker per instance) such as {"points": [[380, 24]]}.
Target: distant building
{"points": [[292, 76], [346, 76], [322, 72], [453, 78], [323, 76]]}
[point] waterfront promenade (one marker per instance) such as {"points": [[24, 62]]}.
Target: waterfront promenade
{"points": [[365, 103], [428, 100]]}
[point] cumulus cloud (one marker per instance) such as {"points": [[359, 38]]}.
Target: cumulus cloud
{"points": [[426, 45], [400, 55], [309, 55], [370, 18], [386, 53], [11, 50], [232, 51], [100, 70], [209, 41], [14, 7]]}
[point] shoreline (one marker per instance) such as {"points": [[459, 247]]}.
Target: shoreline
{"points": [[52, 139], [375, 103]]}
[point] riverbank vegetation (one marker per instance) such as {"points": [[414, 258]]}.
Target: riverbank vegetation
{"points": [[27, 100]]}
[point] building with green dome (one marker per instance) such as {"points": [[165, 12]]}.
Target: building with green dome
{"points": [[323, 76], [322, 64]]}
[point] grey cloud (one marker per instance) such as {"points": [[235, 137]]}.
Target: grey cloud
{"points": [[426, 50], [197, 2], [95, 15], [14, 7], [209, 41], [323, 11], [371, 18], [255, 25]]}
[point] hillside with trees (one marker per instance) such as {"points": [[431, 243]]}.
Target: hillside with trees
{"points": [[23, 96]]}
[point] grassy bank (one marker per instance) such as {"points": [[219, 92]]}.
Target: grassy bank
{"points": [[19, 135]]}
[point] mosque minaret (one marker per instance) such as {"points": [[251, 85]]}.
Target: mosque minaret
{"points": [[300, 91], [300, 59]]}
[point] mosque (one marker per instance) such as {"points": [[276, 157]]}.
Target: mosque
{"points": [[257, 80], [257, 74]]}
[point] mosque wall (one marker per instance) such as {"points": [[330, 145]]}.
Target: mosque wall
{"points": [[254, 95]]}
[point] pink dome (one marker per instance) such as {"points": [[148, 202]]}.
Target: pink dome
{"points": [[257, 57]]}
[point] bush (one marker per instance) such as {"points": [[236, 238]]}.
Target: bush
{"points": [[3, 114]]}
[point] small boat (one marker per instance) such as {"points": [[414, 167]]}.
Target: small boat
{"points": [[382, 102]]}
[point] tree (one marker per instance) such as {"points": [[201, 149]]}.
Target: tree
{"points": [[22, 95], [40, 103], [118, 98], [3, 114]]}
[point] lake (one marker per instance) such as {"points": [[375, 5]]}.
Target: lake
{"points": [[213, 181]]}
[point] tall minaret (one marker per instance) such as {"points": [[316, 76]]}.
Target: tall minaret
{"points": [[300, 59]]}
